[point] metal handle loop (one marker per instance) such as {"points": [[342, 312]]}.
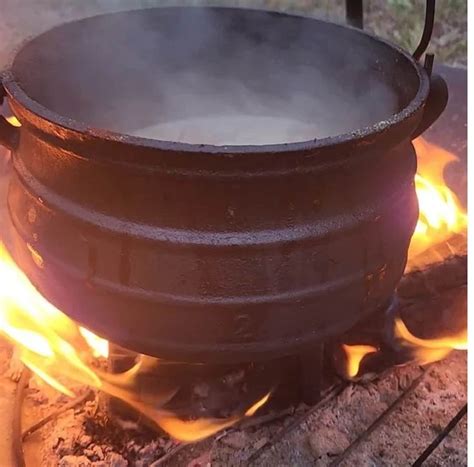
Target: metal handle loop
{"points": [[355, 13], [427, 29], [355, 17]]}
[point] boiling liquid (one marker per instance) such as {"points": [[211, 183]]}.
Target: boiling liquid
{"points": [[232, 130]]}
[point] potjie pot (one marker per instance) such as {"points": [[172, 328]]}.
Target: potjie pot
{"points": [[219, 253]]}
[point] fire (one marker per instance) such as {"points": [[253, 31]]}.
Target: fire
{"points": [[57, 350], [441, 214], [252, 410], [99, 346], [196, 430], [46, 338], [429, 350], [13, 121], [354, 356]]}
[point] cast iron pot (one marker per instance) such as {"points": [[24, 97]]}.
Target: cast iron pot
{"points": [[212, 253]]}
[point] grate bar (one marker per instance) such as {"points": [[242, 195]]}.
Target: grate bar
{"points": [[378, 421], [331, 394], [447, 429]]}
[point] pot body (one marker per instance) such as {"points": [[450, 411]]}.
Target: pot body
{"points": [[213, 253], [256, 264]]}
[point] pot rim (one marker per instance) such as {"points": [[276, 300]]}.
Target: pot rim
{"points": [[16, 92]]}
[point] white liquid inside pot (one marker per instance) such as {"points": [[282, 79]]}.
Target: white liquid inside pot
{"points": [[232, 130]]}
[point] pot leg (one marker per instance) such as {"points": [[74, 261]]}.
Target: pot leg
{"points": [[311, 373]]}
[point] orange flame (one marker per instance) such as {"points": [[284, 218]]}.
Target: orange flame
{"points": [[429, 350], [99, 345], [354, 356], [441, 213], [441, 216], [55, 348], [13, 121], [195, 430]]}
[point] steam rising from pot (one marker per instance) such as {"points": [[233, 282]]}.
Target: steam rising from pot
{"points": [[254, 86], [211, 75], [232, 129]]}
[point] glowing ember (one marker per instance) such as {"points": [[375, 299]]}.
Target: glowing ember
{"points": [[429, 350], [354, 356]]}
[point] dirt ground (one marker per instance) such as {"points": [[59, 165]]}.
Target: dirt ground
{"points": [[315, 441]]}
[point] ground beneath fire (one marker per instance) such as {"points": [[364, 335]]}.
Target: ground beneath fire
{"points": [[82, 437]]}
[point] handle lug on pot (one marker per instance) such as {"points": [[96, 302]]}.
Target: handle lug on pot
{"points": [[428, 65], [9, 134]]}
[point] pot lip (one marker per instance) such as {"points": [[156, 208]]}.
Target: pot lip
{"points": [[16, 92]]}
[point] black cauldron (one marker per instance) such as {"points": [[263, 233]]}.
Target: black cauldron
{"points": [[218, 253]]}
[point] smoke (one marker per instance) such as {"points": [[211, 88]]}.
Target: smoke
{"points": [[214, 76]]}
